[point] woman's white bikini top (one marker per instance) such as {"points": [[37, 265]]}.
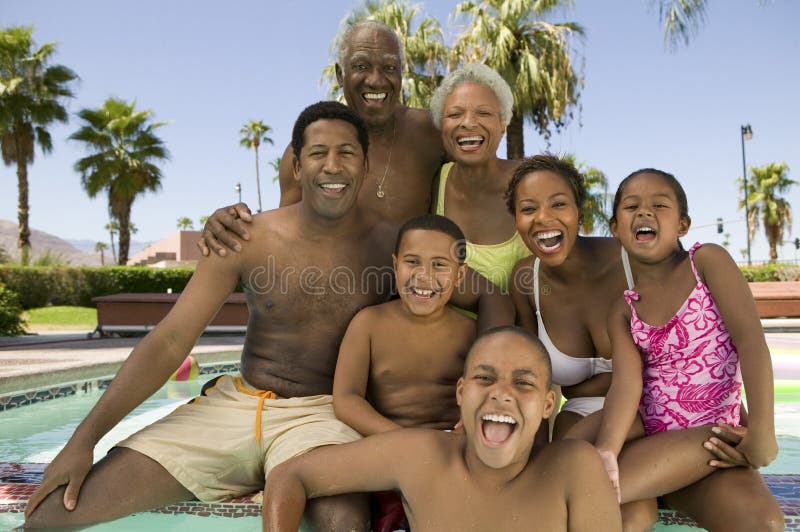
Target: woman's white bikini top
{"points": [[569, 370]]}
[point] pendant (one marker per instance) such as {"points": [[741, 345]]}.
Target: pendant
{"points": [[380, 193]]}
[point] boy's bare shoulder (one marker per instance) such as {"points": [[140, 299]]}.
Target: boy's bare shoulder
{"points": [[431, 448], [459, 320], [568, 459], [375, 314]]}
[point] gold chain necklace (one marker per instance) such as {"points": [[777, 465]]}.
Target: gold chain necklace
{"points": [[380, 193]]}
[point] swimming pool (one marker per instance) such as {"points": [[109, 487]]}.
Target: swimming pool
{"points": [[34, 434]]}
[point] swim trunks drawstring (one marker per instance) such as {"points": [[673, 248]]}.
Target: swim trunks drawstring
{"points": [[263, 396]]}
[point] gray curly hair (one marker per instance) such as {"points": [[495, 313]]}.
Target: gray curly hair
{"points": [[473, 73], [343, 50]]}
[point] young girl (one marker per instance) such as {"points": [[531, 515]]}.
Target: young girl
{"points": [[686, 336]]}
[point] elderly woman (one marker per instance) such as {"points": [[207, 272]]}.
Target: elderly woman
{"points": [[472, 108]]}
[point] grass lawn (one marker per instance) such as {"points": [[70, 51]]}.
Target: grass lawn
{"points": [[61, 318]]}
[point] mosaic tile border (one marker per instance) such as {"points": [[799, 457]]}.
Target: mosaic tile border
{"points": [[18, 482], [31, 397]]}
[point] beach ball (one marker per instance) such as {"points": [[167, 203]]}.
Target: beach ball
{"points": [[188, 370]]}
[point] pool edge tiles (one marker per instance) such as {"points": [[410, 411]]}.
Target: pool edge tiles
{"points": [[19, 481], [22, 398]]}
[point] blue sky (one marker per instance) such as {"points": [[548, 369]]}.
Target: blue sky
{"points": [[207, 69]]}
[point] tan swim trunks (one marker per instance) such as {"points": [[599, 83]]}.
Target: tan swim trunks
{"points": [[219, 447]]}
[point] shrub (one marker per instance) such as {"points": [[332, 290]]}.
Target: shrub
{"points": [[40, 287], [771, 272], [11, 322]]}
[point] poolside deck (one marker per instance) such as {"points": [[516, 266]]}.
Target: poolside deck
{"points": [[29, 367], [18, 482]]}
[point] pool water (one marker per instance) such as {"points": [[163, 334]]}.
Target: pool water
{"points": [[36, 433]]}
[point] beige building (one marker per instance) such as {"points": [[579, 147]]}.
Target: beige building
{"points": [[178, 249]]}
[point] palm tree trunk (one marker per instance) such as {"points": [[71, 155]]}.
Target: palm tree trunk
{"points": [[24, 232], [113, 248], [258, 180], [772, 231], [124, 219], [515, 141]]}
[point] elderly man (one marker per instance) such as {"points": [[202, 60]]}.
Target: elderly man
{"points": [[405, 147]]}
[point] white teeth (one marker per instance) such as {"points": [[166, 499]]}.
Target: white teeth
{"points": [[374, 95], [645, 230], [333, 186], [497, 418], [466, 140], [422, 292], [548, 234]]}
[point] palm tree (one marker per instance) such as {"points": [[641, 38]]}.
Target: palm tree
{"points": [[185, 223], [764, 189], [425, 53], [32, 96], [595, 206], [276, 167], [113, 228], [101, 247], [253, 134], [532, 55], [681, 19], [203, 220], [124, 151]]}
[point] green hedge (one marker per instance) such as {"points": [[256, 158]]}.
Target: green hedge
{"points": [[771, 272], [40, 287], [11, 322]]}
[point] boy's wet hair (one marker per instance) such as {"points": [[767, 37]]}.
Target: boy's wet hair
{"points": [[435, 222], [526, 335], [680, 194], [327, 111], [553, 163]]}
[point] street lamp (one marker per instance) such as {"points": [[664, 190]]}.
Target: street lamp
{"points": [[747, 134], [238, 189]]}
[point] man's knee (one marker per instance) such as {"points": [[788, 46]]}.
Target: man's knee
{"points": [[343, 512], [50, 512]]}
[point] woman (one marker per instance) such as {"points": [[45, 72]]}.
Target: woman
{"points": [[564, 291], [472, 108]]}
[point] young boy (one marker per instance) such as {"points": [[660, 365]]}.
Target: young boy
{"points": [[488, 478], [399, 361]]}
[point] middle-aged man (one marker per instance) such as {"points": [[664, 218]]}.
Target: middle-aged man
{"points": [[309, 268], [405, 147]]}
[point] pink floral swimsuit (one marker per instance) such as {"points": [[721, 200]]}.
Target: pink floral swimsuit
{"points": [[690, 366]]}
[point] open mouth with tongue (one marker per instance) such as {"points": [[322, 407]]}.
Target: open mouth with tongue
{"points": [[470, 143], [549, 241], [497, 429], [644, 233]]}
